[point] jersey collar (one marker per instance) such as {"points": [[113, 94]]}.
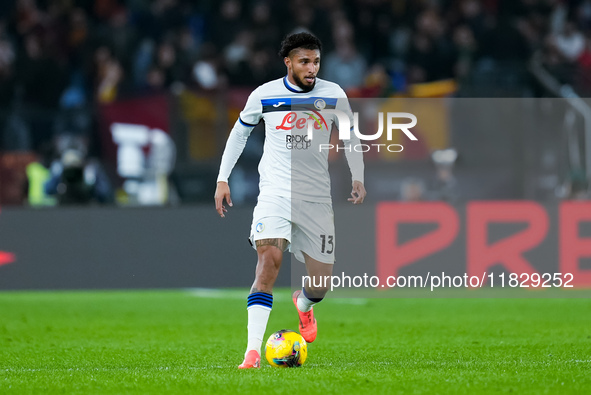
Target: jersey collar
{"points": [[291, 87]]}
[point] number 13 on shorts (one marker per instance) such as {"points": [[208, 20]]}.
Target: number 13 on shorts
{"points": [[327, 244]]}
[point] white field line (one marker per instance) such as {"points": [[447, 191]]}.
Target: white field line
{"points": [[164, 368]]}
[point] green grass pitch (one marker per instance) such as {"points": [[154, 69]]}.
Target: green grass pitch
{"points": [[181, 342]]}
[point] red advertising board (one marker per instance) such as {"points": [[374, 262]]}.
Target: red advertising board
{"points": [[480, 254]]}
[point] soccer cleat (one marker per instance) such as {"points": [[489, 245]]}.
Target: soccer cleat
{"points": [[251, 360], [308, 326]]}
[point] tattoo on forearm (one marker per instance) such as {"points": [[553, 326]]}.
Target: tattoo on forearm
{"points": [[279, 243]]}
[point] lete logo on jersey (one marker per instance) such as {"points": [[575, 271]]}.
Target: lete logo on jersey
{"points": [[292, 119], [300, 111]]}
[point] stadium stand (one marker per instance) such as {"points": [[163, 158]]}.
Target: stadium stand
{"points": [[63, 64]]}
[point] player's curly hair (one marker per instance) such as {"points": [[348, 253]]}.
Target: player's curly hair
{"points": [[299, 40]]}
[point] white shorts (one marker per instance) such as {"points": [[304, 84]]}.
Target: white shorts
{"points": [[308, 227]]}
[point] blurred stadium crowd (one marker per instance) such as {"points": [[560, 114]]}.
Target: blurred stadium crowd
{"points": [[59, 59], [70, 52]]}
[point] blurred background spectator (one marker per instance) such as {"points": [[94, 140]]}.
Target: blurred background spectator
{"points": [[75, 179], [63, 63]]}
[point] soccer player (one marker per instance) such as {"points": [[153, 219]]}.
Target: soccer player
{"points": [[294, 207]]}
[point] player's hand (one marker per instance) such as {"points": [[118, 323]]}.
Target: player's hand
{"points": [[358, 193], [222, 191]]}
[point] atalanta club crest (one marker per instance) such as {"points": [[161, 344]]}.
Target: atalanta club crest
{"points": [[320, 104]]}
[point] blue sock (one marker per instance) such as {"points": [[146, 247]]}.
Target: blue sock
{"points": [[315, 300], [260, 298]]}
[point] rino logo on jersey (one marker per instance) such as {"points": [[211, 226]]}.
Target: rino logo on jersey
{"points": [[391, 125]]}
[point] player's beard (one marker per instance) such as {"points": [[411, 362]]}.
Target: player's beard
{"points": [[303, 87]]}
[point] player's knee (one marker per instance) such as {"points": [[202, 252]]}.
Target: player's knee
{"points": [[269, 263], [269, 259]]}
